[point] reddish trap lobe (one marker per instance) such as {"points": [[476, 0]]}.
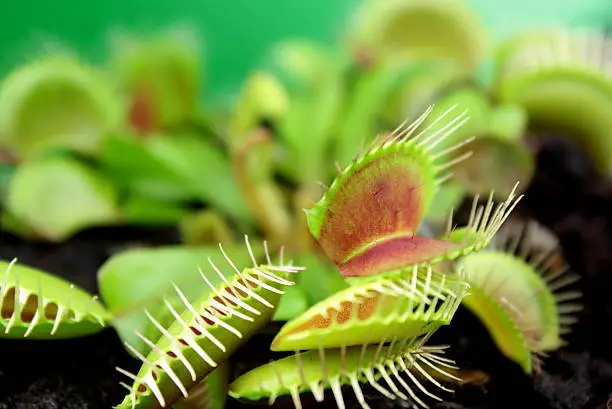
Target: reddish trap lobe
{"points": [[142, 111], [382, 199], [359, 310], [396, 253]]}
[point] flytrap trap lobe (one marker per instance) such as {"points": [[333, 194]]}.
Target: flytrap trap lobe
{"points": [[207, 331]]}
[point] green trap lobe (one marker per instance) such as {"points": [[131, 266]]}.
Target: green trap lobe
{"points": [[204, 336], [398, 305], [315, 371]]}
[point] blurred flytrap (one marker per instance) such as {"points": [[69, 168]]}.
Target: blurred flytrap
{"points": [[418, 29], [522, 293], [160, 75], [57, 101], [562, 81]]}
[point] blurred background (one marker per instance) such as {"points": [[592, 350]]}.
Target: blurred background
{"points": [[238, 33]]}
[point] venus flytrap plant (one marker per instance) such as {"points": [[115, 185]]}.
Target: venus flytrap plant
{"points": [[205, 332], [160, 75], [38, 305], [396, 296], [398, 29], [562, 81], [254, 152], [382, 366], [499, 155], [368, 333], [57, 196], [521, 294], [367, 220], [211, 393], [399, 304], [138, 279], [57, 101]]}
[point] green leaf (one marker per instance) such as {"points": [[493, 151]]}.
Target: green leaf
{"points": [[204, 227], [322, 278], [421, 86], [142, 210], [292, 304], [211, 393], [205, 170], [359, 124], [448, 198], [131, 165], [473, 100], [508, 122], [59, 196], [6, 175], [308, 127], [300, 63], [137, 279], [262, 98]]}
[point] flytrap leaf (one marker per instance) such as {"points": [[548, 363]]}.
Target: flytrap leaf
{"points": [[261, 106], [55, 102], [131, 165], [205, 332], [308, 126], [211, 393], [140, 278], [419, 29], [369, 93], [565, 87], [204, 170], [161, 74], [499, 156], [368, 219], [58, 196], [37, 305], [291, 304], [399, 304], [517, 297], [400, 369], [300, 63]]}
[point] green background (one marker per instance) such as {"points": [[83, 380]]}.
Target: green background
{"points": [[237, 33]]}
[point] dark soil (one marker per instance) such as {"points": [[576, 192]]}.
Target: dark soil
{"points": [[566, 196]]}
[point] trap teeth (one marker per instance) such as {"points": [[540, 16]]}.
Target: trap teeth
{"points": [[39, 305], [402, 304], [205, 332], [395, 180], [401, 369], [521, 296]]}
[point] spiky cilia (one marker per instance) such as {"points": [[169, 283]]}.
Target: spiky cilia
{"points": [[517, 297], [563, 82], [367, 220], [405, 362], [396, 305], [206, 332], [38, 305]]}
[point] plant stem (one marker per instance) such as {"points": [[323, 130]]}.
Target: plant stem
{"points": [[263, 196]]}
